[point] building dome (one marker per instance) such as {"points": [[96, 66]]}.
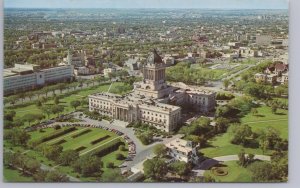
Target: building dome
{"points": [[154, 58]]}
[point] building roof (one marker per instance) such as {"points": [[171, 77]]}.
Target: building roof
{"points": [[154, 58], [180, 145]]}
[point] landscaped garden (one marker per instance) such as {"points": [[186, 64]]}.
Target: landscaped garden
{"points": [[264, 118], [229, 171], [85, 140]]}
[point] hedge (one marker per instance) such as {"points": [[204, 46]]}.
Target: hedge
{"points": [[100, 139], [59, 142], [81, 133], [107, 148], [57, 134], [80, 148]]}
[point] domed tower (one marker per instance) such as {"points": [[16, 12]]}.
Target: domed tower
{"points": [[153, 84]]}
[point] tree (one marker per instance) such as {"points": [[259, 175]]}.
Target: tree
{"points": [[9, 115], [56, 100], [160, 150], [40, 176], [181, 168], [67, 157], [122, 148], [261, 171], [57, 109], [75, 104], [46, 110], [112, 175], [226, 83], [155, 168], [55, 176], [274, 108], [110, 165], [240, 133], [52, 152], [88, 165], [18, 137], [146, 138], [119, 156], [38, 104], [32, 117], [22, 96], [61, 87], [221, 124]]}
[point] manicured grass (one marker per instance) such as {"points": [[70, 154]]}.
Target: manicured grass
{"points": [[236, 173], [220, 145], [21, 111], [265, 118], [12, 175]]}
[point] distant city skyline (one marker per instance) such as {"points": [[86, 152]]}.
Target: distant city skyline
{"points": [[204, 4]]}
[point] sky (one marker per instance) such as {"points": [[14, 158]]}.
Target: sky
{"points": [[213, 4]]}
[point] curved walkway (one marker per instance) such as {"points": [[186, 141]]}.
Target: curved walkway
{"points": [[208, 163], [236, 158]]}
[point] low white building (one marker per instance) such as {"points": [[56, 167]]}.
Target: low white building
{"points": [[24, 77], [183, 150]]}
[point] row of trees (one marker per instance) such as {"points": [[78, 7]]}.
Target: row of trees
{"points": [[32, 167]]}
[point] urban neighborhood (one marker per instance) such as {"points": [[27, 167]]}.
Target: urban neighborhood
{"points": [[145, 95]]}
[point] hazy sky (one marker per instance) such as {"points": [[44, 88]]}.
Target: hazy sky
{"points": [[227, 4]]}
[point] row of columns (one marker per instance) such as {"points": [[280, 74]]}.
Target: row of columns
{"points": [[122, 114], [154, 75]]}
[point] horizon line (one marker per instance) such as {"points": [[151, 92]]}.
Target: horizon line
{"points": [[145, 8]]}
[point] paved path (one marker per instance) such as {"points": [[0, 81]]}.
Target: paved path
{"points": [[208, 163], [236, 158], [251, 122]]}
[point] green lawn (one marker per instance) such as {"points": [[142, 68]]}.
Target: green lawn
{"points": [[220, 145], [265, 118], [12, 175], [236, 173]]}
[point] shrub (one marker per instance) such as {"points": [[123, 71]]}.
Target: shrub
{"points": [[107, 148], [110, 165], [119, 156]]}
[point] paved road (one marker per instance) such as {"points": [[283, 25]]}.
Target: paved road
{"points": [[142, 151]]}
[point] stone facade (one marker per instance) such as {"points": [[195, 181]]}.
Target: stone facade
{"points": [[153, 101]]}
